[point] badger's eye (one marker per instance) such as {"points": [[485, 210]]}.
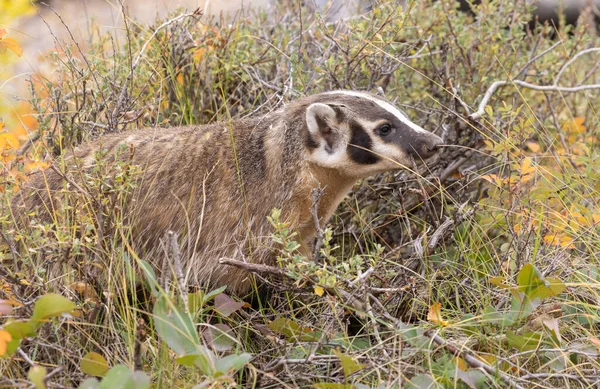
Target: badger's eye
{"points": [[384, 129]]}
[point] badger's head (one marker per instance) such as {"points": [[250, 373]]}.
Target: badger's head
{"points": [[360, 134]]}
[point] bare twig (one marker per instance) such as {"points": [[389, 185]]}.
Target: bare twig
{"points": [[347, 297], [543, 88], [471, 360], [361, 277], [176, 257], [439, 233], [25, 357], [253, 267], [317, 193], [28, 144], [12, 247]]}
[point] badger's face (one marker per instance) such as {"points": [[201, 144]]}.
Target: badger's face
{"points": [[360, 134]]}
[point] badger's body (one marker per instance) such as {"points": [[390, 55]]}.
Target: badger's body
{"points": [[215, 185]]}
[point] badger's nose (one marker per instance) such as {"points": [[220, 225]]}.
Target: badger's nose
{"points": [[425, 145]]}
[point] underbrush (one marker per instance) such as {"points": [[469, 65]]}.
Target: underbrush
{"points": [[479, 270]]}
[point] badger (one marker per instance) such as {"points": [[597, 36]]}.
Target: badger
{"points": [[215, 185]]}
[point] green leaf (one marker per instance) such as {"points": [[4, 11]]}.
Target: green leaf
{"points": [[202, 358], [491, 315], [499, 282], [51, 305], [414, 336], [151, 277], [286, 327], [175, 327], [212, 294], [422, 381], [232, 363], [552, 286], [529, 278], [90, 383], [195, 301], [525, 342], [348, 364], [94, 364], [121, 377], [219, 337], [332, 385], [20, 329], [36, 375]]}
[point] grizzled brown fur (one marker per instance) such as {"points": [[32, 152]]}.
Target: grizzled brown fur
{"points": [[216, 184]]}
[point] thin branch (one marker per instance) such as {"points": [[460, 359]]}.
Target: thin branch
{"points": [[544, 88], [176, 257], [12, 247], [471, 360], [28, 144], [317, 193], [569, 62]]}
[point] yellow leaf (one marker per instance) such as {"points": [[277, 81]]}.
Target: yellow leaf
{"points": [[533, 146], [461, 364], [493, 179], [36, 165], [5, 337], [575, 126], [527, 167], [435, 314], [10, 141], [319, 291], [11, 44]]}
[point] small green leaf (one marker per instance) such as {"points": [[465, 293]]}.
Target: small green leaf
{"points": [[529, 278], [232, 363], [499, 282], [348, 364], [36, 375], [286, 327], [525, 342], [94, 364], [212, 294], [150, 276], [422, 381], [20, 329], [51, 305], [202, 358], [219, 337], [90, 383], [121, 377], [332, 385], [175, 327], [491, 315]]}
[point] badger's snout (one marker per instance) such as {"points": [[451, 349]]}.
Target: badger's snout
{"points": [[424, 145]]}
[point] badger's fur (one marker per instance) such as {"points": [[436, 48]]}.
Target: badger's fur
{"points": [[215, 185]]}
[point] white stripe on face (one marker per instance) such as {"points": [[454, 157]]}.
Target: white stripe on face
{"points": [[383, 104]]}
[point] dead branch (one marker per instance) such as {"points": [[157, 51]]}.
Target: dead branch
{"points": [[176, 257], [317, 193], [543, 88], [471, 360]]}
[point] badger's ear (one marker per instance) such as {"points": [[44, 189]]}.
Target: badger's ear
{"points": [[321, 120]]}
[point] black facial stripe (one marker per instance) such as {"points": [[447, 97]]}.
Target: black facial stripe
{"points": [[359, 148]]}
